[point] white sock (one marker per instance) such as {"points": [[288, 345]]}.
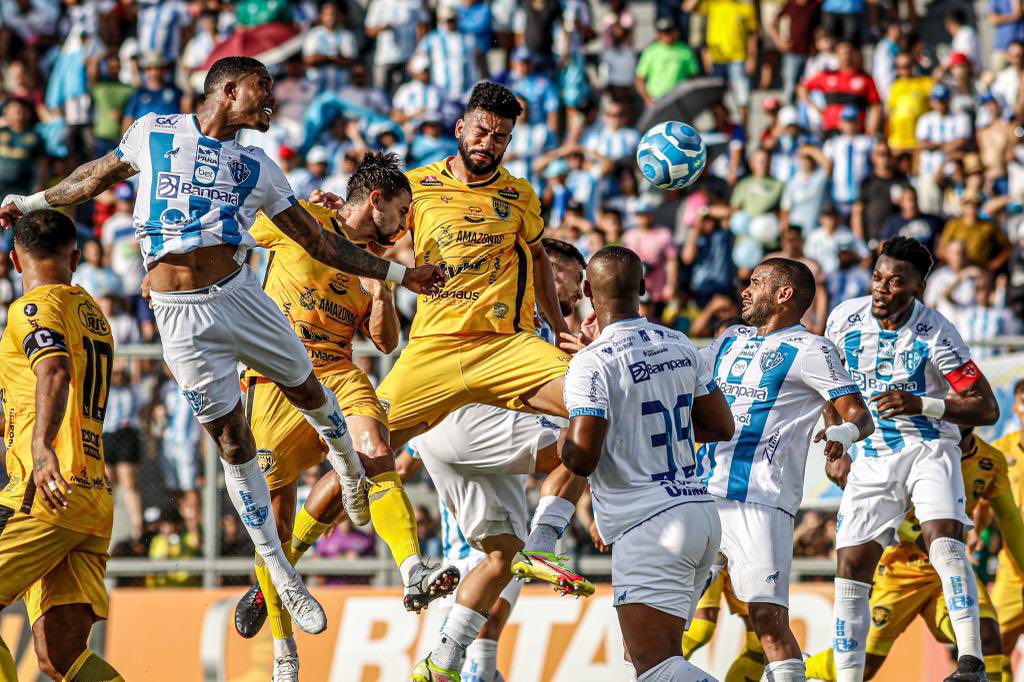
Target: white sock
{"points": [[850, 675], [285, 647], [248, 491], [511, 592], [329, 422], [790, 670], [960, 588], [481, 661], [549, 522], [407, 566], [850, 627], [676, 669], [459, 630]]}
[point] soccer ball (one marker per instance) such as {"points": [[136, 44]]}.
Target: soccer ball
{"points": [[671, 155]]}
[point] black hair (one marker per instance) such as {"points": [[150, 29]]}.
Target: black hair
{"points": [[1018, 387], [377, 171], [793, 273], [44, 233], [910, 251], [494, 98], [564, 250], [230, 69], [957, 15], [626, 278]]}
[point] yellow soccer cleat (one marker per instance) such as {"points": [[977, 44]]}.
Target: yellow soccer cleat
{"points": [[550, 568], [426, 671]]}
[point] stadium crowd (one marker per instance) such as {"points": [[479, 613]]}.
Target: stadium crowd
{"points": [[839, 126]]}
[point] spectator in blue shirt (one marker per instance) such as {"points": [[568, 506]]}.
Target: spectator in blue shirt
{"points": [[1008, 19], [475, 22], [156, 95], [535, 88], [432, 144], [708, 252]]}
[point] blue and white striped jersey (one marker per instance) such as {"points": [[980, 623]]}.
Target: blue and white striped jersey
{"points": [[529, 141], [938, 129], [642, 378], [453, 65], [195, 191], [776, 386], [851, 163], [924, 357], [615, 144], [122, 409], [454, 544], [160, 26], [337, 43], [183, 430]]}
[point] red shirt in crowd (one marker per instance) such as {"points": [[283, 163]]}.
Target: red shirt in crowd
{"points": [[843, 88]]}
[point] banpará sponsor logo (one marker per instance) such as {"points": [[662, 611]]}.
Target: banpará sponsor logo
{"points": [[740, 391], [641, 371], [170, 186]]}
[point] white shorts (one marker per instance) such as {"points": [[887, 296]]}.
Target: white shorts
{"points": [[881, 490], [664, 562], [206, 333], [757, 540], [478, 458]]}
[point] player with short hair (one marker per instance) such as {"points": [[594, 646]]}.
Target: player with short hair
{"points": [[777, 378], [638, 397], [906, 357], [56, 511], [199, 192]]}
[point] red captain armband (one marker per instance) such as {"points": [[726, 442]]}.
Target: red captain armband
{"points": [[963, 376]]}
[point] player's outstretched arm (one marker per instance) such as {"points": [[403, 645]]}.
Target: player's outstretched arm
{"points": [[339, 253], [583, 443], [1011, 526], [712, 418], [53, 381], [84, 183]]}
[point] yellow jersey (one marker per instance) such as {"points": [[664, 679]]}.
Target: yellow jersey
{"points": [[908, 100], [49, 321], [985, 477], [730, 23], [1011, 448], [482, 234], [324, 306]]}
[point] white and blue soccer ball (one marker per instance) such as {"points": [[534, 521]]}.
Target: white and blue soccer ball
{"points": [[671, 155]]}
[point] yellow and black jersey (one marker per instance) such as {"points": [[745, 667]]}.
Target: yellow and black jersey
{"points": [[1011, 448], [482, 234], [324, 306], [49, 321], [985, 477]]}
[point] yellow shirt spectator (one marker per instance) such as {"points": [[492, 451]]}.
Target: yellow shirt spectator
{"points": [[730, 23], [908, 99]]}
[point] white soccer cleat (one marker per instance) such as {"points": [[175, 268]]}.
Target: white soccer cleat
{"points": [[305, 611], [355, 495], [286, 668]]}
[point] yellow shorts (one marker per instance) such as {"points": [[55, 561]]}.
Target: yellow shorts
{"points": [[50, 566], [901, 592], [436, 375], [712, 597], [285, 442], [1008, 595]]}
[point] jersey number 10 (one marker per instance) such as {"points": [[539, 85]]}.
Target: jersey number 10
{"points": [[99, 362]]}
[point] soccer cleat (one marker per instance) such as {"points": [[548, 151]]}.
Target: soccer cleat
{"points": [[550, 568], [355, 495], [251, 612], [968, 669], [428, 583], [286, 668], [426, 671], [305, 611]]}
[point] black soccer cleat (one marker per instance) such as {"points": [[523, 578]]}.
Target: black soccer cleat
{"points": [[251, 612], [968, 669]]}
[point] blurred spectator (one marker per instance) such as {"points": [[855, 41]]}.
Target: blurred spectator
{"points": [[110, 97], [732, 32], [538, 27], [337, 182], [124, 326], [654, 244], [708, 253], [987, 245], [201, 45], [883, 59], [418, 97], [360, 93], [792, 240], [475, 20], [907, 101], [848, 86], [758, 193], [983, 318], [180, 452], [329, 48], [234, 541], [805, 193], [305, 180], [432, 144], [851, 279], [785, 142], [539, 92], [162, 24], [156, 95], [664, 64], [117, 236], [996, 139], [951, 285], [10, 286], [824, 244], [530, 142], [93, 276], [939, 132], [455, 63], [909, 221], [1006, 85], [122, 446], [1008, 19], [965, 38], [172, 542], [396, 26], [23, 164], [343, 540], [427, 532], [814, 535], [801, 16], [849, 155], [877, 195], [612, 138], [618, 62]]}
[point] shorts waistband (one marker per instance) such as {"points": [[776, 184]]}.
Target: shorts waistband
{"points": [[200, 295]]}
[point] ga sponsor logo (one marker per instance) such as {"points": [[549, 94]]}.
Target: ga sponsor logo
{"points": [[240, 170], [204, 175], [207, 156], [265, 458], [641, 371], [923, 328], [173, 216], [430, 181], [509, 193], [166, 121], [474, 214], [856, 318], [92, 319], [501, 209]]}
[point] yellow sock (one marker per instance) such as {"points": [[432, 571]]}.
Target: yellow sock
{"points": [[280, 621], [89, 667], [822, 666], [697, 635], [8, 668], [393, 516], [305, 534], [994, 667], [749, 664]]}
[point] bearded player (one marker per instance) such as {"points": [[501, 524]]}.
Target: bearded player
{"points": [[906, 358], [199, 192]]}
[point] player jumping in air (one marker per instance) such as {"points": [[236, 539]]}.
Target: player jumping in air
{"points": [[777, 378], [638, 396], [56, 512], [906, 357], [199, 192]]}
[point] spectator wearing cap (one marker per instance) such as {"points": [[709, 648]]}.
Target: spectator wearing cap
{"points": [[732, 33], [396, 26], [656, 248], [538, 91], [156, 95], [771, 107], [849, 85], [963, 93], [909, 221], [708, 254], [611, 137], [1007, 16], [361, 93], [965, 38], [850, 155], [329, 48], [797, 45], [24, 166], [530, 142], [939, 132], [995, 136], [1006, 85], [806, 191], [161, 26], [877, 195], [664, 64], [109, 98], [785, 140], [906, 103], [455, 63], [824, 244], [759, 192], [987, 245], [305, 180], [417, 96], [851, 279]]}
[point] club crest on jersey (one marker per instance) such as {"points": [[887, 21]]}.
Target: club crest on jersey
{"points": [[770, 360], [911, 359], [208, 156], [31, 309], [501, 209], [509, 193], [194, 398], [500, 310], [265, 459], [92, 319], [240, 171], [307, 299]]}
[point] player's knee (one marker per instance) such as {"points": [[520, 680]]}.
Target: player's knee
{"points": [[237, 451], [991, 639], [855, 565], [770, 621], [308, 395], [379, 460]]}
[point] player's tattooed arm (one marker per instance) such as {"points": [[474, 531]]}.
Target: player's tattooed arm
{"points": [[89, 181], [53, 381]]}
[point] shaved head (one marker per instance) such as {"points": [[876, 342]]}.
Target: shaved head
{"points": [[615, 273]]}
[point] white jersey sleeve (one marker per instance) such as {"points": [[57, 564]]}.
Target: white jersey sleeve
{"points": [[279, 196], [130, 146], [951, 356], [822, 370], [586, 391]]}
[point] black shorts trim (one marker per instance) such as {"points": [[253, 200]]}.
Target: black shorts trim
{"points": [[520, 285]]}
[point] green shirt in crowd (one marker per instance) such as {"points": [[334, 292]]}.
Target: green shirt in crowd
{"points": [[109, 99], [663, 67]]}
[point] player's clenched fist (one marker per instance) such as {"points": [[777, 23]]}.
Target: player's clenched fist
{"points": [[425, 279], [10, 210], [897, 403]]}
